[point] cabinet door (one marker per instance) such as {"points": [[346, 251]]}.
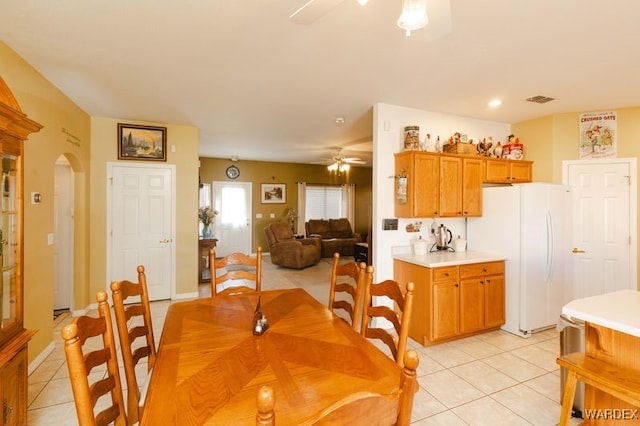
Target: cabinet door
{"points": [[472, 187], [521, 171], [10, 251], [494, 315], [450, 186], [446, 309], [13, 376], [496, 171], [471, 305], [426, 185]]}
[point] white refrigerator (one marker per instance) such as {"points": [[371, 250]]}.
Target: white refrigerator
{"points": [[530, 225]]}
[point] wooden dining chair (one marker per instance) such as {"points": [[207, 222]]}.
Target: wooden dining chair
{"points": [[135, 331], [81, 361], [364, 408], [400, 320], [351, 278], [234, 271]]}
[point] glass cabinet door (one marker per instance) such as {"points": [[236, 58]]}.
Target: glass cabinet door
{"points": [[10, 249]]}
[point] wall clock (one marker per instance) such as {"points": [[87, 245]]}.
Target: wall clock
{"points": [[232, 172]]}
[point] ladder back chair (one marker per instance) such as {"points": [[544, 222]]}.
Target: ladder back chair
{"points": [[347, 278], [233, 272], [135, 331], [364, 408], [400, 320], [82, 360]]}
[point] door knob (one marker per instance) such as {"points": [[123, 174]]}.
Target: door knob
{"points": [[575, 250]]}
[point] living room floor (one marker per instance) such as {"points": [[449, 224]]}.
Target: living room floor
{"points": [[494, 378]]}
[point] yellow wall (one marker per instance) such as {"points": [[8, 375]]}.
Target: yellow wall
{"points": [[258, 172], [185, 139], [66, 131]]}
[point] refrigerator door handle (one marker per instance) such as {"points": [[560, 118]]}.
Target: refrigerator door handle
{"points": [[549, 262]]}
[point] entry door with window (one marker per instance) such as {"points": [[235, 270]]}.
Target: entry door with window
{"points": [[141, 220], [232, 226], [603, 225]]}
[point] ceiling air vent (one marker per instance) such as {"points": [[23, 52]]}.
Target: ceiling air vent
{"points": [[540, 99]]}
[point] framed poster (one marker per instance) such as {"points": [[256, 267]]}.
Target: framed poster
{"points": [[273, 193], [142, 142], [598, 133]]}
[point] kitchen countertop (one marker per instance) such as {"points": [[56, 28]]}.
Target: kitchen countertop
{"points": [[446, 258], [618, 311]]}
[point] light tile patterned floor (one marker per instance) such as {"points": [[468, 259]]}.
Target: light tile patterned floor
{"points": [[490, 379]]}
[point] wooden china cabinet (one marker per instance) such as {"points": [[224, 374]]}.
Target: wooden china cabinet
{"points": [[14, 129]]}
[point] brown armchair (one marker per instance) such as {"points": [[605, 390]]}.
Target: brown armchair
{"points": [[288, 251]]}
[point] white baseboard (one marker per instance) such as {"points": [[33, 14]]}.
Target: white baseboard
{"points": [[184, 296], [41, 357]]}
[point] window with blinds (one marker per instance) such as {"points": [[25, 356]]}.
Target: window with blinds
{"points": [[323, 202]]}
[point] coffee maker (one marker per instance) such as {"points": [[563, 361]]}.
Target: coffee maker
{"points": [[443, 238]]}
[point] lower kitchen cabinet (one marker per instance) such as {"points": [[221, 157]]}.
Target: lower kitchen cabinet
{"points": [[451, 302], [481, 296]]}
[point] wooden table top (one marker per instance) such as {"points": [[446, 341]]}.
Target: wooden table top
{"points": [[210, 365]]}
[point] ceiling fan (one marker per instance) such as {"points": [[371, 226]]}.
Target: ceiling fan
{"points": [[339, 162], [435, 14]]}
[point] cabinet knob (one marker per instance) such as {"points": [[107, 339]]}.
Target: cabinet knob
{"points": [[446, 274], [488, 281], [481, 282], [456, 284]]}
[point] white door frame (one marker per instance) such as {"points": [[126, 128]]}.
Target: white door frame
{"points": [[633, 204], [67, 238], [172, 169]]}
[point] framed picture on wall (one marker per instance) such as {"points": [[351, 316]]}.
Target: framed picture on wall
{"points": [[273, 193], [142, 142]]}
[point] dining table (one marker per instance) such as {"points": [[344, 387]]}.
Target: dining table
{"points": [[210, 364]]}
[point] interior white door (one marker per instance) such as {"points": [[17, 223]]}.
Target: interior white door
{"points": [[232, 226], [603, 218], [63, 197], [141, 225]]}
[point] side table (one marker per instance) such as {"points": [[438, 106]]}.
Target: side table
{"points": [[204, 245], [361, 252]]}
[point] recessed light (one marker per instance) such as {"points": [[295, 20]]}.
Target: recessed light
{"points": [[495, 103]]}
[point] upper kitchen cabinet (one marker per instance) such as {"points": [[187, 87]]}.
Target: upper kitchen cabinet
{"points": [[14, 129], [500, 170], [417, 184], [437, 185]]}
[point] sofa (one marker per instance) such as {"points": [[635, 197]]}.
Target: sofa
{"points": [[336, 235], [288, 251]]}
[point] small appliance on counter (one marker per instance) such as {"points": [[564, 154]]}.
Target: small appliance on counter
{"points": [[460, 244], [420, 246], [443, 239]]}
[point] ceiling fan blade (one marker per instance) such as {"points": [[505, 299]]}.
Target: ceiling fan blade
{"points": [[354, 161], [312, 10]]}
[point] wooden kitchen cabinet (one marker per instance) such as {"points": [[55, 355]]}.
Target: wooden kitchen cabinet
{"points": [[422, 173], [438, 185], [14, 129], [456, 301], [481, 296], [446, 303], [501, 170]]}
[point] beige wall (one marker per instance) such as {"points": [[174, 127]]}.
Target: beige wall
{"points": [[258, 172], [185, 158], [65, 132], [552, 139]]}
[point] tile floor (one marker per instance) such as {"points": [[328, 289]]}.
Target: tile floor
{"points": [[491, 379]]}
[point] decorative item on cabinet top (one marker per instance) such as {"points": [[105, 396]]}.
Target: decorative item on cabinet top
{"points": [[461, 144]]}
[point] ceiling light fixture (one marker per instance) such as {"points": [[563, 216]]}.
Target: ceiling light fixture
{"points": [[414, 15], [495, 103], [339, 119], [363, 2], [339, 167]]}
